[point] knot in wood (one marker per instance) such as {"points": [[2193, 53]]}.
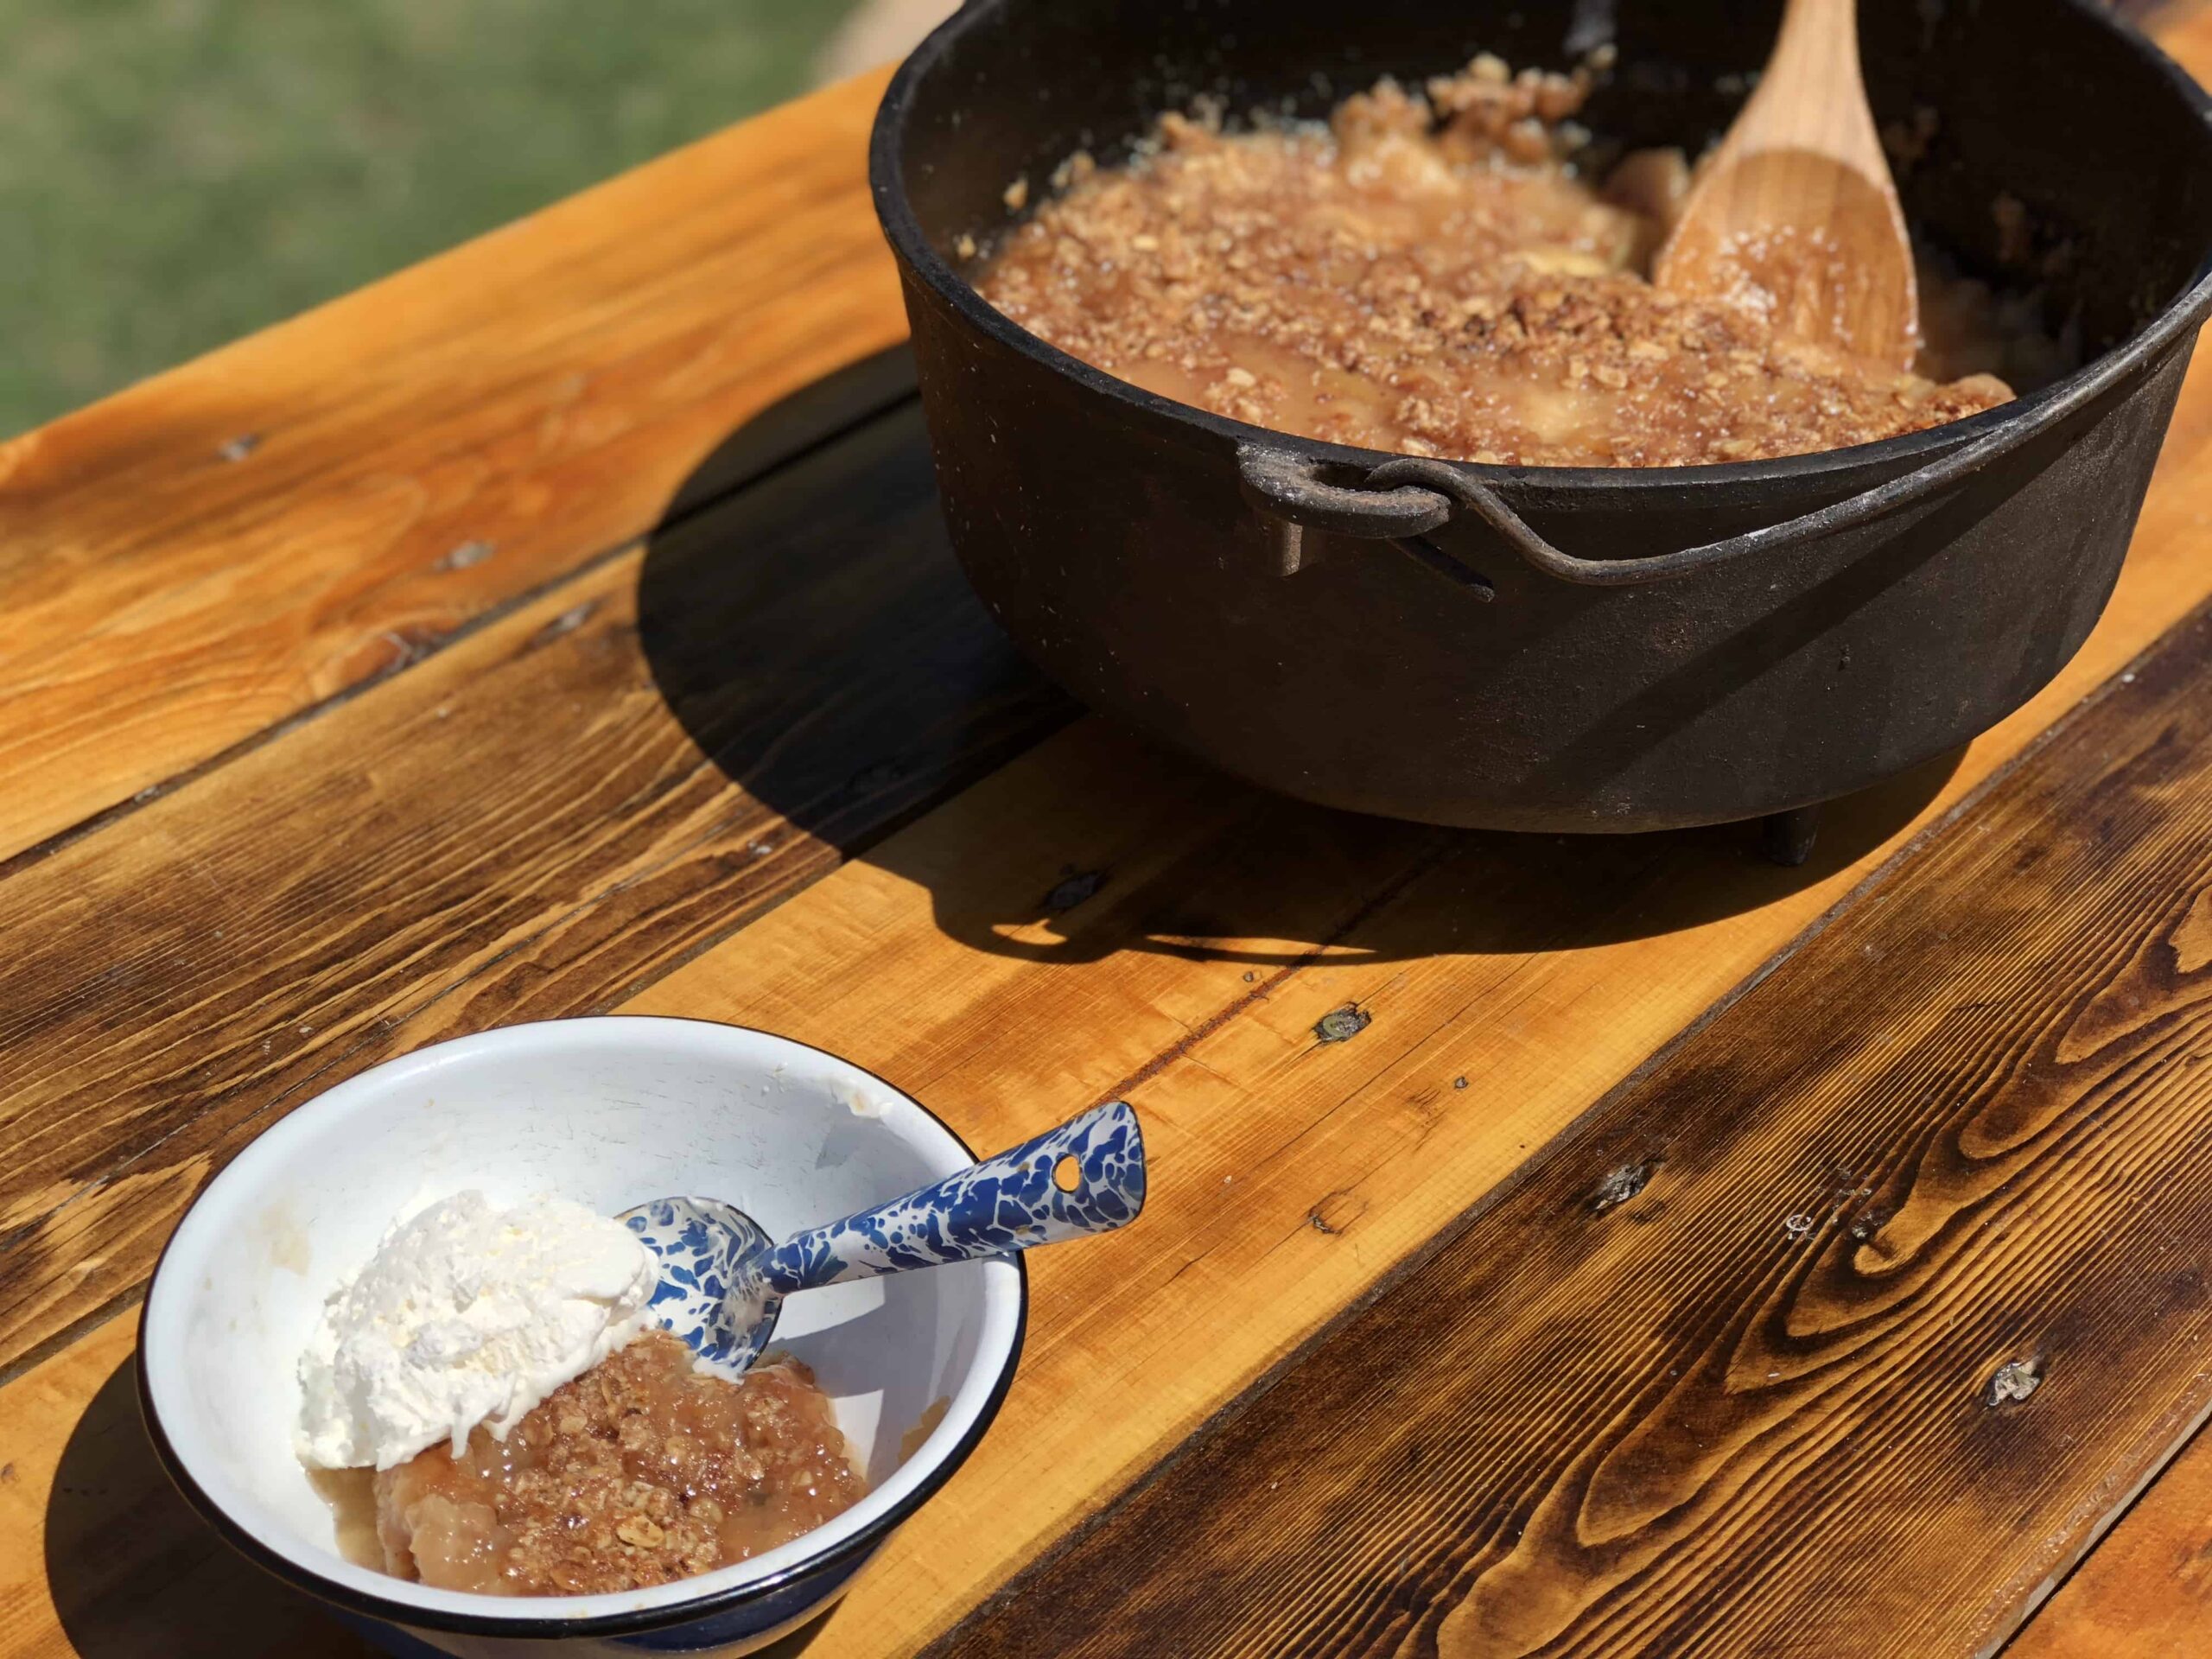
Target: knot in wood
{"points": [[468, 553], [1622, 1185], [1342, 1025], [1075, 889], [2013, 1382]]}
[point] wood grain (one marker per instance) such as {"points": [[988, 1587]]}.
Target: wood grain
{"points": [[531, 824], [1294, 1172], [1727, 1371], [413, 457], [2146, 1590]]}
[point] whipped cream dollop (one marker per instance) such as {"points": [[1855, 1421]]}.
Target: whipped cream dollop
{"points": [[467, 1314]]}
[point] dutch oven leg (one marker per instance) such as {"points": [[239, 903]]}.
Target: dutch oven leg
{"points": [[1788, 837]]}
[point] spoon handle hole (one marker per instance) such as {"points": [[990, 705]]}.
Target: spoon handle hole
{"points": [[1067, 1173]]}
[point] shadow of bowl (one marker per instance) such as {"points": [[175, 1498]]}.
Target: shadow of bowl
{"points": [[134, 1572]]}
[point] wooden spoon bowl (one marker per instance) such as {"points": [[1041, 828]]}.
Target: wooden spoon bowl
{"points": [[1796, 214]]}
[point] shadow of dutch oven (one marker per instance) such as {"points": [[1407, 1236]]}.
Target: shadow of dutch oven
{"points": [[806, 622]]}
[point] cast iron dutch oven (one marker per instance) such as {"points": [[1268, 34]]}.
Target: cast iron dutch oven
{"points": [[1557, 649]]}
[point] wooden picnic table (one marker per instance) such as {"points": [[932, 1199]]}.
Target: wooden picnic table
{"points": [[1661, 1252]]}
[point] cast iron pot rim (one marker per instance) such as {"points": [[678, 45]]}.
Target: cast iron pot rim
{"points": [[2185, 311], [851, 1552]]}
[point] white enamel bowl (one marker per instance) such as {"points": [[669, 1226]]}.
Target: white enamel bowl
{"points": [[608, 1112]]}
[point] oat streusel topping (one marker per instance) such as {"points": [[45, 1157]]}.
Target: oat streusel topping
{"points": [[641, 1471], [1429, 274]]}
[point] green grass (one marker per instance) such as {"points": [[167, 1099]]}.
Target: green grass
{"points": [[176, 173]]}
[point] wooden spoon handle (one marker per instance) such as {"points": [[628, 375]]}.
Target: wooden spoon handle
{"points": [[1812, 95]]}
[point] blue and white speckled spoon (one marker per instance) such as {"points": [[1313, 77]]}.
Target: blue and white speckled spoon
{"points": [[723, 1280]]}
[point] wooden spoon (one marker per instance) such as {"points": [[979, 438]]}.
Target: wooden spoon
{"points": [[1796, 213]]}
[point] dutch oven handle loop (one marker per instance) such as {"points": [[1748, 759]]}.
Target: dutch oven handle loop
{"points": [[1404, 499]]}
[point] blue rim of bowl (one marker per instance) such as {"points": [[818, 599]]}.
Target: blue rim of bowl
{"points": [[854, 1550]]}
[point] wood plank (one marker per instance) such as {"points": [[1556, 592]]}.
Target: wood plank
{"points": [[2146, 1591], [519, 827], [1293, 1174], [423, 452], [1729, 1368]]}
